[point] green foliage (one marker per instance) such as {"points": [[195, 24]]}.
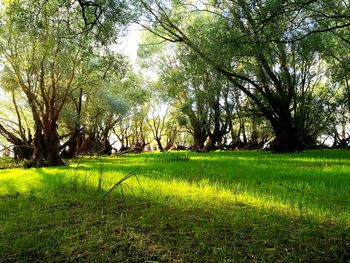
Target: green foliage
{"points": [[272, 51]]}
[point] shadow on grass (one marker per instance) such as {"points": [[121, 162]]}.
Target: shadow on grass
{"points": [[289, 181], [267, 179], [65, 221], [263, 175]]}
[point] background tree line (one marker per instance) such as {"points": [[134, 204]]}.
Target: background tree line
{"points": [[226, 75]]}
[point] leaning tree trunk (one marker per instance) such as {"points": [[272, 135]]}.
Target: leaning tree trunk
{"points": [[72, 147], [73, 144], [22, 148], [159, 143]]}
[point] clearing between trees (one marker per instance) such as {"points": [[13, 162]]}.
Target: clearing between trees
{"points": [[180, 207]]}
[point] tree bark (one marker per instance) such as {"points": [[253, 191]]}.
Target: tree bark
{"points": [[159, 143], [288, 138], [199, 138], [46, 146]]}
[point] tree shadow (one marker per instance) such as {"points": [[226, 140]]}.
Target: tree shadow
{"points": [[278, 177], [313, 189], [71, 222]]}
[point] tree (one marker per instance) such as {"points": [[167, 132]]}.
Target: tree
{"points": [[43, 49], [163, 124], [337, 57], [132, 130], [234, 38], [114, 104]]}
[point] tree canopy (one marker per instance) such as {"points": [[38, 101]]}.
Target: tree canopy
{"points": [[226, 74]]}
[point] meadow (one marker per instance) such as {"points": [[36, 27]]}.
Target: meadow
{"points": [[242, 206]]}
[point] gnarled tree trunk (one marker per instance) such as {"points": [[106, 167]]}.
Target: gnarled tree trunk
{"points": [[288, 138], [199, 138], [46, 144]]}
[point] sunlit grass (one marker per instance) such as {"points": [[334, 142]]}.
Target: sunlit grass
{"points": [[276, 206]]}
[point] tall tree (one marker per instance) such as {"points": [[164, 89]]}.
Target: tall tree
{"points": [[258, 47], [43, 44]]}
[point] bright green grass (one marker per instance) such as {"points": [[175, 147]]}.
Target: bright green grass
{"points": [[216, 207]]}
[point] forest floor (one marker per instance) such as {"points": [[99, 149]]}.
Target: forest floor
{"points": [[180, 207]]}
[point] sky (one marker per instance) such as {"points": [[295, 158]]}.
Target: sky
{"points": [[129, 43]]}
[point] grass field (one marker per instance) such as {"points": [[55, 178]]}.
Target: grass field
{"points": [[180, 207]]}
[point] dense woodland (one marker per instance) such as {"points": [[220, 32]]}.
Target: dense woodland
{"points": [[256, 74]]}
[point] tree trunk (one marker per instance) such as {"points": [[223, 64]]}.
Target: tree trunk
{"points": [[22, 152], [214, 138], [286, 141], [73, 144], [171, 139], [160, 146], [22, 148], [107, 147], [46, 147], [199, 138], [288, 138], [219, 130]]}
